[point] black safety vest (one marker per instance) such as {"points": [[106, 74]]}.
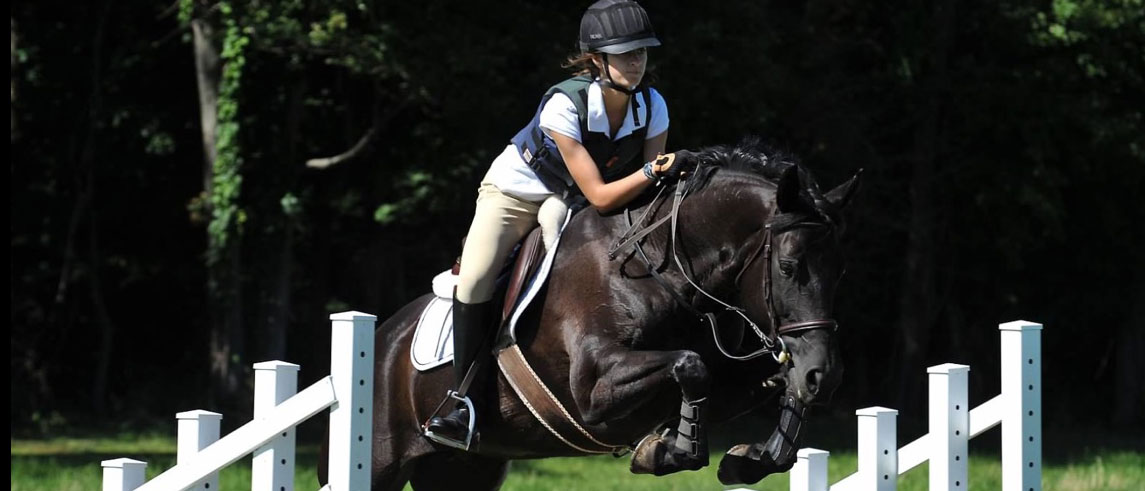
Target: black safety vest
{"points": [[614, 158]]}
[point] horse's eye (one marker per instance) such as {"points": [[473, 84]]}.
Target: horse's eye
{"points": [[787, 267]]}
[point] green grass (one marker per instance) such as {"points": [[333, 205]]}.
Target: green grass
{"points": [[1114, 470], [73, 464], [65, 464]]}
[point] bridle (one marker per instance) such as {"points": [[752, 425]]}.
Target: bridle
{"points": [[776, 224]]}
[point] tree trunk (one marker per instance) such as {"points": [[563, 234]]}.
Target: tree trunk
{"points": [[88, 166], [107, 328], [227, 334], [917, 305], [12, 75], [224, 276], [1129, 385], [279, 309], [208, 71]]}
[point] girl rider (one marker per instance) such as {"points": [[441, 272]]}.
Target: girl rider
{"points": [[599, 135]]}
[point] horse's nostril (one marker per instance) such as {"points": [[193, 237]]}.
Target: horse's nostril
{"points": [[814, 380]]}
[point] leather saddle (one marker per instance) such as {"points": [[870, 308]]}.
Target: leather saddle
{"points": [[521, 265]]}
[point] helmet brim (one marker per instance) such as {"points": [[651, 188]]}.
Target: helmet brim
{"points": [[616, 49]]}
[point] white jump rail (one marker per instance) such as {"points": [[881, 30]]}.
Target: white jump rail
{"points": [[1018, 409], [347, 391]]}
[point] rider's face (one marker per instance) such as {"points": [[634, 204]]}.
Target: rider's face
{"points": [[627, 69]]}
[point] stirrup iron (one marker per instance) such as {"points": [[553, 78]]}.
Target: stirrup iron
{"points": [[442, 439]]}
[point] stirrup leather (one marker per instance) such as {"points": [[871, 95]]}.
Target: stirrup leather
{"points": [[444, 440]]}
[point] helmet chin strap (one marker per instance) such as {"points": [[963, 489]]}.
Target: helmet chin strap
{"points": [[608, 79]]}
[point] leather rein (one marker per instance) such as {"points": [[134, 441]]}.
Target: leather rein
{"points": [[772, 341]]}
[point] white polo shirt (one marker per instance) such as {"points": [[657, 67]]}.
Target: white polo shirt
{"points": [[512, 175]]}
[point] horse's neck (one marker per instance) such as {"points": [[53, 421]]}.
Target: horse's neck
{"points": [[723, 225], [720, 215], [738, 203]]}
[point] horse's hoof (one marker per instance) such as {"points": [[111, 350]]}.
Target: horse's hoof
{"points": [[648, 454], [747, 464], [657, 455]]}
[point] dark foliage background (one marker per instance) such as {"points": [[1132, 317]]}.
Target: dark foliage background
{"points": [[1003, 144]]}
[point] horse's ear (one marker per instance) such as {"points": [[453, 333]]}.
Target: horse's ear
{"points": [[841, 196], [787, 191]]}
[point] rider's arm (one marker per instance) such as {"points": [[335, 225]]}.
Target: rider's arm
{"points": [[605, 196]]}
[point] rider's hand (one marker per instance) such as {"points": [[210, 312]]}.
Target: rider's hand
{"points": [[674, 165]]}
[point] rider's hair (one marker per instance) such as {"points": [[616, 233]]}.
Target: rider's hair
{"points": [[581, 64]]}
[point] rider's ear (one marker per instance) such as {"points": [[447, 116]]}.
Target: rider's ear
{"points": [[841, 196], [787, 192]]}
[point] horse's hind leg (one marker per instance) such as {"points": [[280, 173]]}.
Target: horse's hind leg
{"points": [[451, 470]]}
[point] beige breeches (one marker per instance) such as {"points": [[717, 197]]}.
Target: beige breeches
{"points": [[500, 221]]}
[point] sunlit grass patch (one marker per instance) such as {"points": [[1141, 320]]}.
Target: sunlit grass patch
{"points": [[66, 464]]}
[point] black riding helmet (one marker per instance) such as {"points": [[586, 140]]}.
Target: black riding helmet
{"points": [[615, 27]]}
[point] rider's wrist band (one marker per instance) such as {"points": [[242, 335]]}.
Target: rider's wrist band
{"points": [[649, 173]]}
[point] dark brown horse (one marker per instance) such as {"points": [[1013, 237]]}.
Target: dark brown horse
{"points": [[622, 348]]}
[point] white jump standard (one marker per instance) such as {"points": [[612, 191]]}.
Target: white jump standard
{"points": [[347, 391], [951, 424]]}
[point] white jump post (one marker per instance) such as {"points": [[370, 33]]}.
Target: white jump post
{"points": [[121, 474], [1022, 406], [949, 422], [878, 448], [197, 430], [351, 417], [810, 471], [270, 436], [272, 468]]}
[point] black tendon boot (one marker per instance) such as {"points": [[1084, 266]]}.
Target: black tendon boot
{"points": [[471, 352]]}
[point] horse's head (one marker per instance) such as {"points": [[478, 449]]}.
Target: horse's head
{"points": [[804, 267], [788, 272], [790, 259]]}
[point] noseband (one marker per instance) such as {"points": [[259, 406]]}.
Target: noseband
{"points": [[772, 341]]}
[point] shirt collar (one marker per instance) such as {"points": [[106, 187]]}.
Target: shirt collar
{"points": [[598, 119]]}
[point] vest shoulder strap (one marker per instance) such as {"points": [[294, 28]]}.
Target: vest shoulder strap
{"points": [[576, 89]]}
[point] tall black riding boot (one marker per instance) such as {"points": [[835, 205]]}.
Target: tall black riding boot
{"points": [[471, 346]]}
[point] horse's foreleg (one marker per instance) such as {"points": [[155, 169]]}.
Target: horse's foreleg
{"points": [[626, 380], [748, 464]]}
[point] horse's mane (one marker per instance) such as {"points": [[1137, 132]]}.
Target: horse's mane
{"points": [[749, 156], [752, 156]]}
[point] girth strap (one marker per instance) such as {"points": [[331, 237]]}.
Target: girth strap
{"points": [[545, 407]]}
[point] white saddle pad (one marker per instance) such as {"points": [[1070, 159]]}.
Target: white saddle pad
{"points": [[433, 338]]}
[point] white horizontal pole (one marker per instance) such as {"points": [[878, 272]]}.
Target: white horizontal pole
{"points": [[244, 440], [987, 415], [914, 453]]}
